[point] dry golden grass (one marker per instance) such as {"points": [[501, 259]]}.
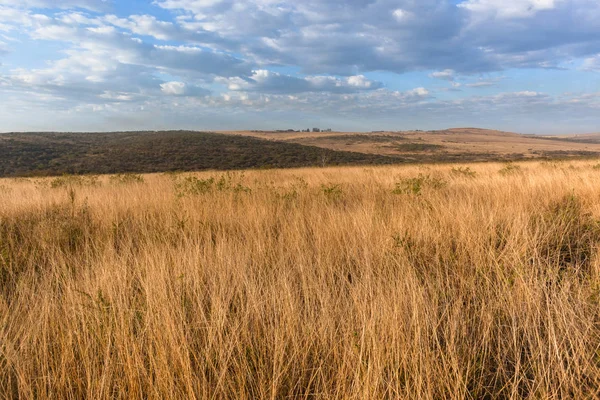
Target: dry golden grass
{"points": [[350, 283]]}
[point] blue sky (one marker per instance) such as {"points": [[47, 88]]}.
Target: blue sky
{"points": [[530, 66]]}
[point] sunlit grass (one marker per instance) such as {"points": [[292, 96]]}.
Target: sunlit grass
{"points": [[422, 281]]}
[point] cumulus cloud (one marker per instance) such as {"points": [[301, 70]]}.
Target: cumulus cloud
{"points": [[590, 63], [148, 25], [420, 91], [447, 75], [402, 15], [116, 45], [353, 37], [265, 81], [94, 5], [329, 54], [481, 84], [175, 88], [378, 109], [356, 37], [509, 8]]}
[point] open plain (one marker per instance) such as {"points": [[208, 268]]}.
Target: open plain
{"points": [[422, 281], [472, 144]]}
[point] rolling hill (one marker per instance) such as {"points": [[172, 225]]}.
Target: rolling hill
{"points": [[39, 154], [25, 154], [452, 144]]}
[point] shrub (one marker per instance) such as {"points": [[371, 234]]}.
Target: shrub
{"points": [[124, 179], [332, 191], [510, 169], [293, 190], [194, 186], [415, 185], [239, 188], [463, 171]]}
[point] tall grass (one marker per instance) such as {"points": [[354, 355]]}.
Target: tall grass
{"points": [[316, 283]]}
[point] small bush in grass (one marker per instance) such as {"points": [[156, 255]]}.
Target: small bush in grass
{"points": [[124, 179], [463, 171], [194, 186], [332, 191], [416, 185], [239, 188], [510, 169], [293, 190], [231, 181]]}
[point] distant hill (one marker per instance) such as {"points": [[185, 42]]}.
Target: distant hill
{"points": [[479, 131], [39, 154], [455, 144], [27, 154]]}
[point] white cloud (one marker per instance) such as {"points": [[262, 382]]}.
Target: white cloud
{"points": [[360, 81], [422, 92], [446, 74], [265, 81], [233, 46], [481, 84], [176, 88], [94, 5], [401, 15], [592, 63], [173, 88], [526, 93], [509, 8]]}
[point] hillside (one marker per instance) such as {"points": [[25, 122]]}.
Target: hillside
{"points": [[28, 154], [24, 154], [449, 144]]}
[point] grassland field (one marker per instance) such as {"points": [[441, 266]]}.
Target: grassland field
{"points": [[463, 281]]}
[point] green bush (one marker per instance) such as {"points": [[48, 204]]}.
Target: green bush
{"points": [[332, 191], [124, 179], [510, 169], [416, 185], [463, 171], [191, 185]]}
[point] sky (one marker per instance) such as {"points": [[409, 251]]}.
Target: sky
{"points": [[530, 66]]}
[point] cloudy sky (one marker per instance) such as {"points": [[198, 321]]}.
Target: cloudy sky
{"points": [[522, 65]]}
